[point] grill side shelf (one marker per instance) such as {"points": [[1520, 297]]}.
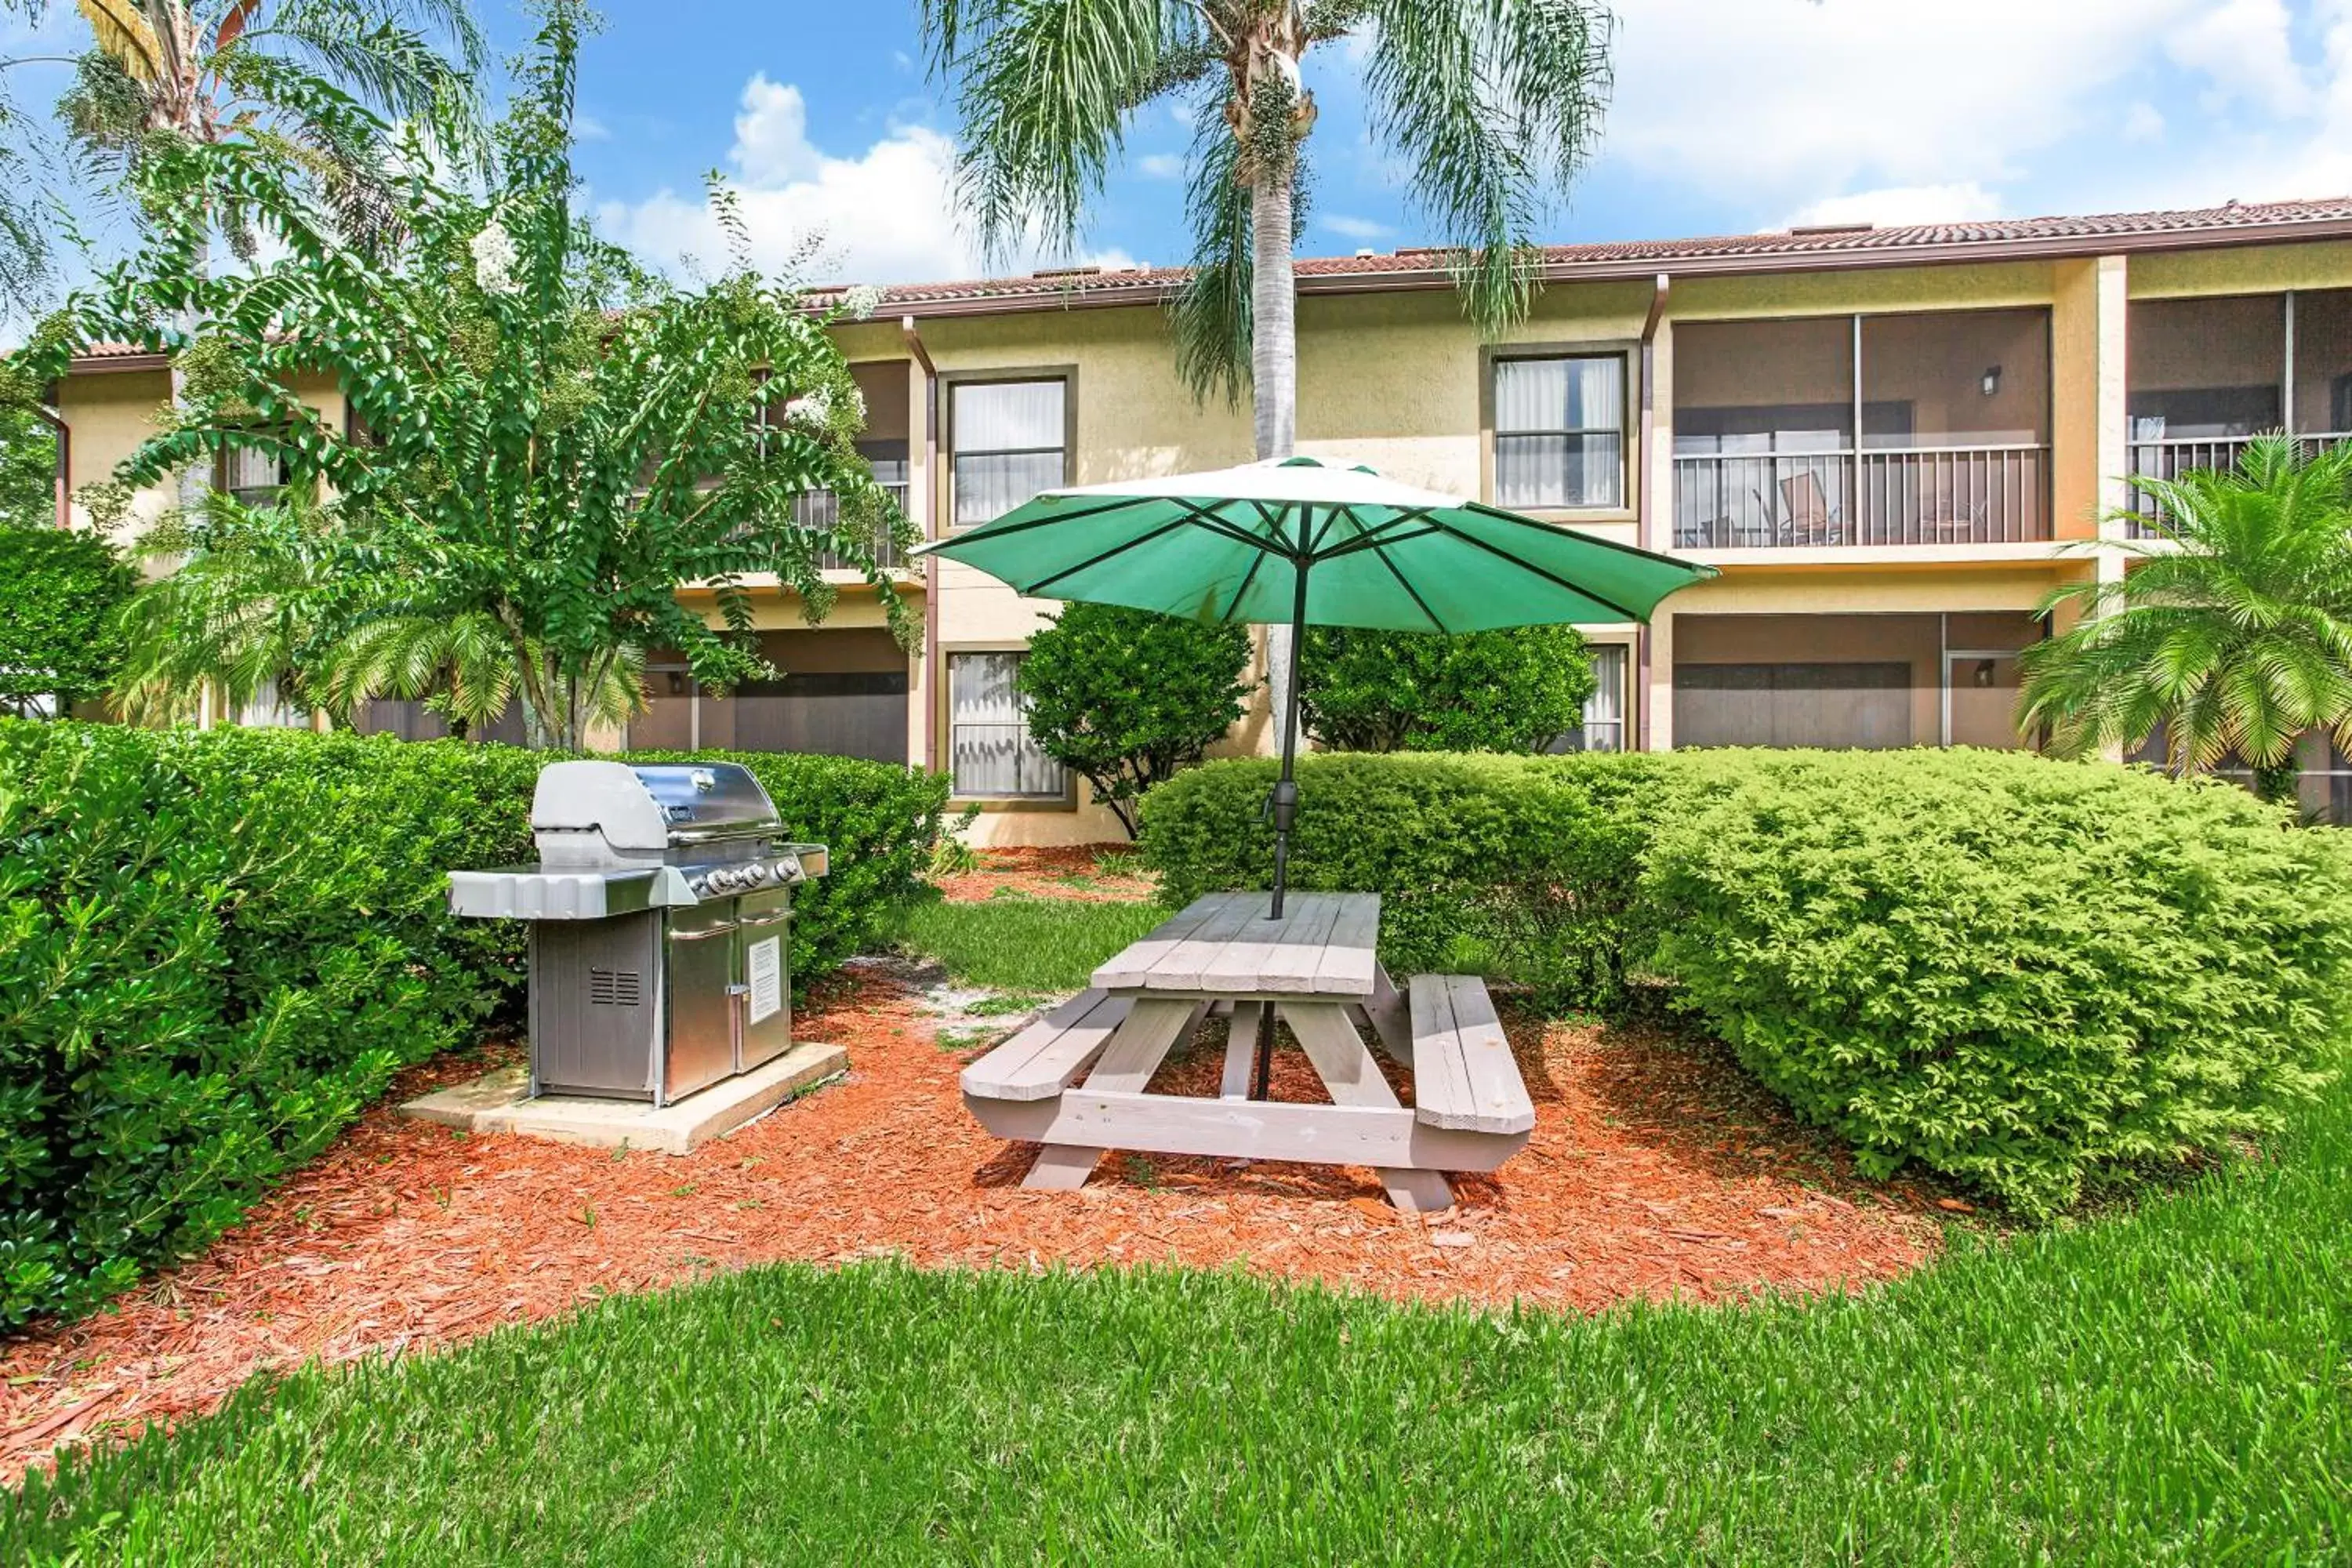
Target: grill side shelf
{"points": [[529, 893]]}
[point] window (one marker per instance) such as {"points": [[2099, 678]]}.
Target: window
{"points": [[1604, 729], [1559, 432], [991, 755], [1010, 443], [254, 478]]}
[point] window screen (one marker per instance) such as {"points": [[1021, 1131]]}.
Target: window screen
{"points": [[1560, 431], [991, 755], [1009, 444]]}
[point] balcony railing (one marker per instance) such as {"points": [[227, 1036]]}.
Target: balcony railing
{"points": [[1913, 495], [821, 510], [2173, 455]]}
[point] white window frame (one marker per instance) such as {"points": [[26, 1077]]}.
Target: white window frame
{"points": [[957, 450], [1053, 779], [1623, 429]]}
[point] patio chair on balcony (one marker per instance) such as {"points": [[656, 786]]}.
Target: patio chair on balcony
{"points": [[1811, 520]]}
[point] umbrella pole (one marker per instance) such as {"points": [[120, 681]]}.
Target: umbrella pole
{"points": [[1283, 806]]}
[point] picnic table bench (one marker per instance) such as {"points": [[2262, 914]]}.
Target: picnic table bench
{"points": [[1077, 1080]]}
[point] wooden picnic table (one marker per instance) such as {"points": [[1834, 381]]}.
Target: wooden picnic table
{"points": [[1318, 970]]}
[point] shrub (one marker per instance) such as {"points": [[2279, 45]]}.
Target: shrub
{"points": [[58, 594], [217, 948], [1518, 867], [2023, 973], [1125, 698], [1517, 689]]}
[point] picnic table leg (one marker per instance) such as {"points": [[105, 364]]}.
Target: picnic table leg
{"points": [[1349, 1072], [1241, 1051], [1391, 1022], [1133, 1054]]}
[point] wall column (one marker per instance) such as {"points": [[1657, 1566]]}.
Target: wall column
{"points": [[1659, 696]]}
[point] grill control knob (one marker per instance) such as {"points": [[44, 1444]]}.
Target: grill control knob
{"points": [[759, 876], [721, 881]]}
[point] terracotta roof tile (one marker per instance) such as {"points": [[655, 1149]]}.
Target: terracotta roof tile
{"points": [[1791, 249]]}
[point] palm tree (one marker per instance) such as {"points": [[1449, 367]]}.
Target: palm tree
{"points": [[277, 75], [2230, 633], [1491, 104]]}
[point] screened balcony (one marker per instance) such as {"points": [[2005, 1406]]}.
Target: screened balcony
{"points": [[1858, 431], [2205, 377]]}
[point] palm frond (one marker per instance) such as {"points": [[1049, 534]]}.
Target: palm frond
{"points": [[123, 34], [1496, 105], [1211, 313], [1044, 89]]}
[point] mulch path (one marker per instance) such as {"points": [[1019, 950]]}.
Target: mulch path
{"points": [[1657, 1169], [1069, 871]]}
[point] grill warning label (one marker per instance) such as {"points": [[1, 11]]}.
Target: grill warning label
{"points": [[765, 963]]}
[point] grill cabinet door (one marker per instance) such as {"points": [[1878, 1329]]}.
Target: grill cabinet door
{"points": [[595, 1006], [763, 970], [702, 1014]]}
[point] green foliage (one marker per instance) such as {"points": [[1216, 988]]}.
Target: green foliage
{"points": [[2232, 633], [1514, 690], [2024, 973], [1125, 698], [215, 947], [548, 441], [1026, 944], [29, 443], [2164, 1387], [59, 591], [1487, 108]]}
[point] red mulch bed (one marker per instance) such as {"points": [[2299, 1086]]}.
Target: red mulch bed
{"points": [[1657, 1169], [1069, 871]]}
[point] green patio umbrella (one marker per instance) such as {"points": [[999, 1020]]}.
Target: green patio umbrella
{"points": [[1313, 545]]}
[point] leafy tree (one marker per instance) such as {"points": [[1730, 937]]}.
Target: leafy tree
{"points": [[1513, 690], [28, 453], [1489, 106], [546, 441], [2230, 633], [284, 81], [59, 591], [1125, 698]]}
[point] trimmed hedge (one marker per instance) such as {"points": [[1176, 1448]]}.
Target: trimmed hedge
{"points": [[2023, 973], [218, 947]]}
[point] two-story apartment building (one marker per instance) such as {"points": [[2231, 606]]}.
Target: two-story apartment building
{"points": [[1893, 442]]}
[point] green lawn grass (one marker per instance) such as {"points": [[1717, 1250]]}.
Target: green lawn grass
{"points": [[1026, 944], [2169, 1385]]}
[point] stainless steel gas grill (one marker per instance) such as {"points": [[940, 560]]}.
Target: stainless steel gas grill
{"points": [[659, 909]]}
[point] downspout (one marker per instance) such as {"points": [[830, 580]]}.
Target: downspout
{"points": [[1642, 488], [64, 466], [934, 662]]}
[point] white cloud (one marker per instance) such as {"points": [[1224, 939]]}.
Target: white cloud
{"points": [[1783, 103], [2143, 122], [888, 215], [1897, 205], [1160, 165], [885, 215], [1352, 227], [2244, 47], [588, 128]]}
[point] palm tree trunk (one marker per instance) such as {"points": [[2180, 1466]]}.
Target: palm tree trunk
{"points": [[1274, 371]]}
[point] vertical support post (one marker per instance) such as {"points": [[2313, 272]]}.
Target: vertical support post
{"points": [[1283, 804]]}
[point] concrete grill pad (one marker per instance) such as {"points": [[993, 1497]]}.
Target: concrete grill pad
{"points": [[497, 1102]]}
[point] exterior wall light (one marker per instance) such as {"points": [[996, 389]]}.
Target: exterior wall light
{"points": [[1991, 380]]}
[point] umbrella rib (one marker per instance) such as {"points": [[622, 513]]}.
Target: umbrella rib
{"points": [[1379, 553], [1525, 566], [1372, 541], [1257, 559], [1120, 548], [993, 530], [1696, 569]]}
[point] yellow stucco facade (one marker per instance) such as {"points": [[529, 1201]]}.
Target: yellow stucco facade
{"points": [[1937, 442]]}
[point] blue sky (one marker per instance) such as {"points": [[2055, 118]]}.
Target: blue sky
{"points": [[1728, 116]]}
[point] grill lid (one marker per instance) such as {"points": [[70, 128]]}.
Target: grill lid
{"points": [[648, 808]]}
